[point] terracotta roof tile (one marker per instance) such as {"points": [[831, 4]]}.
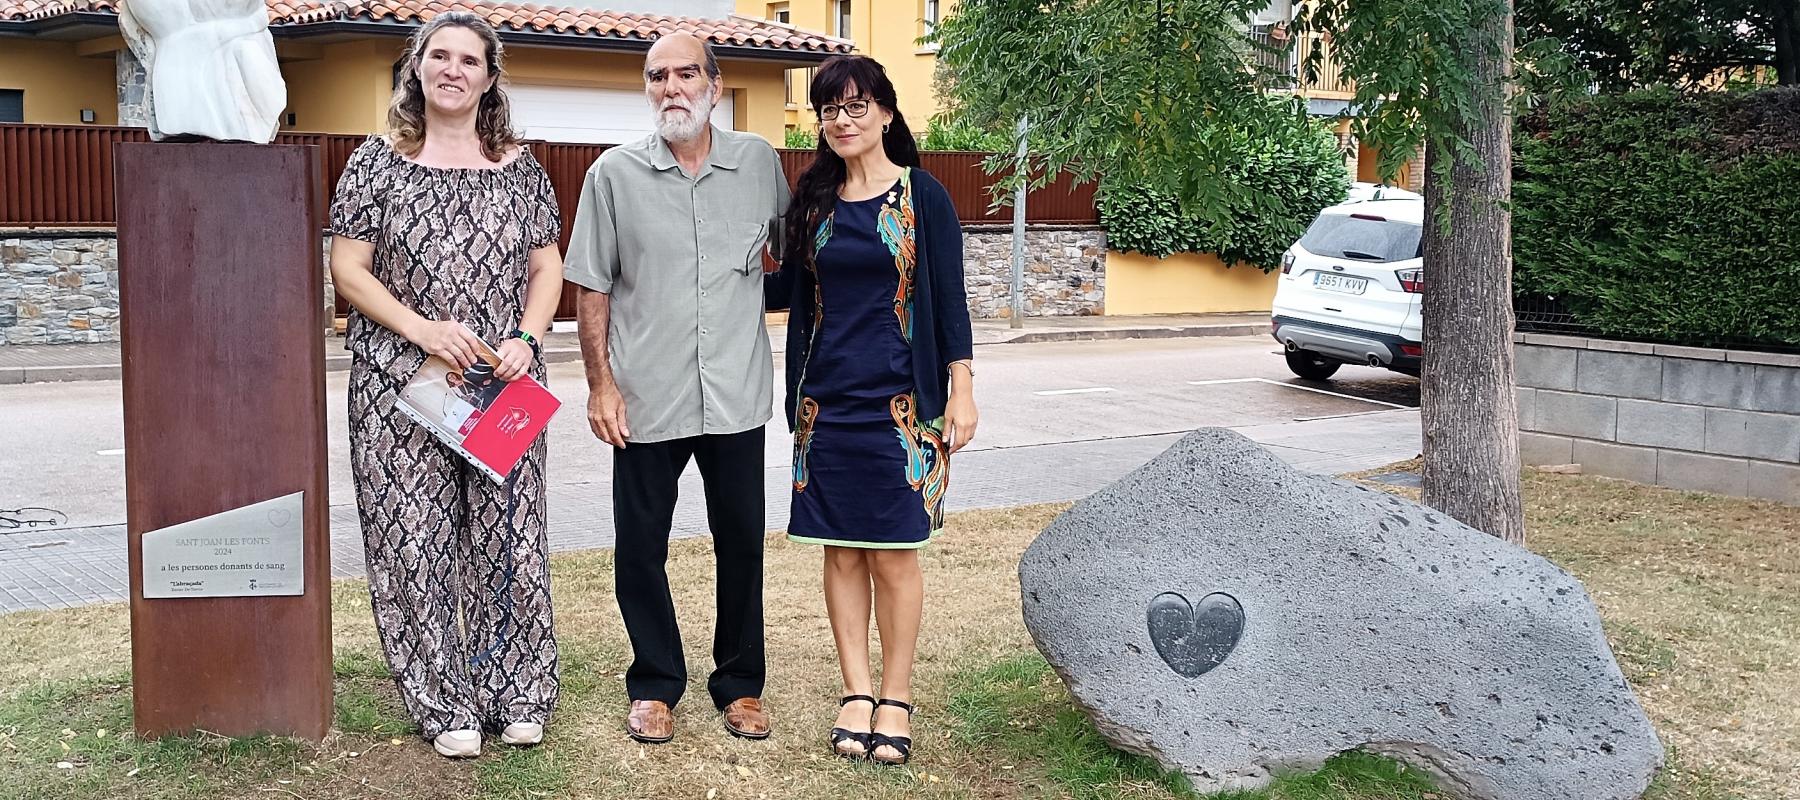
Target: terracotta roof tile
{"points": [[735, 30], [45, 9]]}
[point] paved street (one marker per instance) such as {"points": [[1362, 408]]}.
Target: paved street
{"points": [[1059, 420]]}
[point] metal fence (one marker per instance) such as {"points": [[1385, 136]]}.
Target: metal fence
{"points": [[1553, 315], [62, 175]]}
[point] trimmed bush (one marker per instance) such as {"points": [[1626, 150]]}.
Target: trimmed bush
{"points": [[1663, 216], [958, 135], [1291, 177], [800, 139]]}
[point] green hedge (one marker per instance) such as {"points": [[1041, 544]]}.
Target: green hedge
{"points": [[1664, 216], [1290, 178]]}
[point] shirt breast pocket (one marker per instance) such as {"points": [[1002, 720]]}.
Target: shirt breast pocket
{"points": [[746, 242]]}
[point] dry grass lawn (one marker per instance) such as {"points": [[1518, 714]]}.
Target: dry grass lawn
{"points": [[1701, 597]]}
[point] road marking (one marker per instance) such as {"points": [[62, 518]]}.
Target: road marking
{"points": [[1090, 390], [1301, 388], [119, 452], [1355, 414]]}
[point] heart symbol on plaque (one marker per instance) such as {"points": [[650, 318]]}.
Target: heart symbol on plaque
{"points": [[1192, 639], [280, 517]]}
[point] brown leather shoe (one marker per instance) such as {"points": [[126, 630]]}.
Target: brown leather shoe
{"points": [[747, 718], [650, 722]]}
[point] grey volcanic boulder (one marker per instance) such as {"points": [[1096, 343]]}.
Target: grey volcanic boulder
{"points": [[1231, 617]]}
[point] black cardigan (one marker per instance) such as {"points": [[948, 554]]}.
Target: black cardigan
{"points": [[940, 302]]}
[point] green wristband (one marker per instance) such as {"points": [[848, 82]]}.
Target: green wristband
{"points": [[529, 339]]}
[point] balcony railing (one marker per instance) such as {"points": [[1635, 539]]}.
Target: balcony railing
{"points": [[1273, 54], [1331, 77]]}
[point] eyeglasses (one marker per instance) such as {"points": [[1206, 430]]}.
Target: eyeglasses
{"points": [[857, 109]]}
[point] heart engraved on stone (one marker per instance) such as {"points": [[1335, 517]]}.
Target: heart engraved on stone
{"points": [[1192, 640]]}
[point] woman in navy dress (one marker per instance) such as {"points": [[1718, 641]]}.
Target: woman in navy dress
{"points": [[880, 385]]}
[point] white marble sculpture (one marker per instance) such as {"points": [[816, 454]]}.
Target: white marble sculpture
{"points": [[210, 68]]}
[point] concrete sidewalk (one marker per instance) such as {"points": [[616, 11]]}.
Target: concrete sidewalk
{"points": [[70, 567], [100, 362]]}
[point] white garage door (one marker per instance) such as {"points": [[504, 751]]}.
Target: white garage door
{"points": [[582, 115]]}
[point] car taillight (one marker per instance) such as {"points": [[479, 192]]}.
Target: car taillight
{"points": [[1287, 263], [1412, 350], [1412, 280]]}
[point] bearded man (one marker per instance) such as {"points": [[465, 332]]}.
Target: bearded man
{"points": [[668, 246]]}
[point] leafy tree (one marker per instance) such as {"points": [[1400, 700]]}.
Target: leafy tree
{"points": [[1438, 76], [1150, 94], [1629, 44], [1158, 95]]}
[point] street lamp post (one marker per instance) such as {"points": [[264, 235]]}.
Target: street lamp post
{"points": [[1018, 243]]}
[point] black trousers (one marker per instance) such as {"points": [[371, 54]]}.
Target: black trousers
{"points": [[644, 492]]}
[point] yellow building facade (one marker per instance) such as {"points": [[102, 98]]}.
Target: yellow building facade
{"points": [[341, 80], [885, 30], [57, 80], [1186, 283]]}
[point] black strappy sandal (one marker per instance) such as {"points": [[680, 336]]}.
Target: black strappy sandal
{"points": [[901, 744], [839, 736]]}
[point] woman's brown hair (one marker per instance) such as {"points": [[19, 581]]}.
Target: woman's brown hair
{"points": [[493, 120]]}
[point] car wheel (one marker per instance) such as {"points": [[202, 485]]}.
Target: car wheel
{"points": [[1310, 366]]}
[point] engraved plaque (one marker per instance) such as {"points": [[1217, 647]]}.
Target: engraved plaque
{"points": [[253, 551]]}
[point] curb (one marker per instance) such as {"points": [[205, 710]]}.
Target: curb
{"points": [[1107, 334], [562, 355]]}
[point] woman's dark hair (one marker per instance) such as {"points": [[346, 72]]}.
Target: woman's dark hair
{"points": [[816, 192]]}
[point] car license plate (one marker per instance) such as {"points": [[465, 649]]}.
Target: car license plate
{"points": [[1340, 283]]}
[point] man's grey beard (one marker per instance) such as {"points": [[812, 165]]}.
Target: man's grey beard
{"points": [[685, 128]]}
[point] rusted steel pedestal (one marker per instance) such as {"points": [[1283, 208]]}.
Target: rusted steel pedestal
{"points": [[224, 372]]}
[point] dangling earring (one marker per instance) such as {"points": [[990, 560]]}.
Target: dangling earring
{"points": [[884, 128]]}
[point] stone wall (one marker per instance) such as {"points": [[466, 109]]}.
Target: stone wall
{"points": [[1724, 421], [58, 288], [62, 287], [1065, 270], [134, 89]]}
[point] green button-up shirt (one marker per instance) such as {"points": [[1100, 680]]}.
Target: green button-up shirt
{"points": [[681, 256]]}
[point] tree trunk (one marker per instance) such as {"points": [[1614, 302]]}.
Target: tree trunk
{"points": [[1470, 413], [1787, 42]]}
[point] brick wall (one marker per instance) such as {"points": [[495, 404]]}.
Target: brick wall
{"points": [[1723, 421]]}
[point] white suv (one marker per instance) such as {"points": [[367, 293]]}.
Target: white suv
{"points": [[1349, 289]]}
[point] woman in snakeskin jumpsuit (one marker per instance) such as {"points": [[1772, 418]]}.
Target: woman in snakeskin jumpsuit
{"points": [[447, 222]]}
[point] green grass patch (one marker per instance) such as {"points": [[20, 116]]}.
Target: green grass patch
{"points": [[512, 773], [1642, 656], [516, 773], [1363, 776], [1679, 779], [72, 740], [1018, 708], [365, 698]]}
